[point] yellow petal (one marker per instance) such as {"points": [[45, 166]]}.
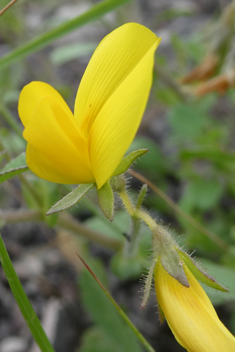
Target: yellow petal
{"points": [[113, 60], [113, 94], [56, 149], [190, 314], [32, 94], [44, 167]]}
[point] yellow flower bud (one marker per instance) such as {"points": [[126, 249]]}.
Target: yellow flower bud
{"points": [[190, 314]]}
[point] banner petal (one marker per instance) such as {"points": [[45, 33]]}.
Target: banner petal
{"points": [[117, 122], [113, 60]]}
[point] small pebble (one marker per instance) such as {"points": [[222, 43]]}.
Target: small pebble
{"points": [[13, 344]]}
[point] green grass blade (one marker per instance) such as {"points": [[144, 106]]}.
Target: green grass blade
{"points": [[22, 300], [141, 338], [41, 41]]}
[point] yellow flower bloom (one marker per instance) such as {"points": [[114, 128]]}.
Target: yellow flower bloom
{"points": [[190, 314], [88, 146]]}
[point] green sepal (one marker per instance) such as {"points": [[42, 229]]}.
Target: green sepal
{"points": [[128, 160], [161, 313], [165, 248], [172, 263], [71, 198], [14, 167], [148, 284], [106, 200], [141, 195], [199, 273]]}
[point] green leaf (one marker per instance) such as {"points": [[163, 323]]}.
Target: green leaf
{"points": [[13, 168], [70, 52], [187, 121], [201, 193], [106, 200], [71, 199], [43, 40], [15, 163], [128, 160], [26, 309]]}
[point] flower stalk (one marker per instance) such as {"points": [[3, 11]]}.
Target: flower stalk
{"points": [[181, 299]]}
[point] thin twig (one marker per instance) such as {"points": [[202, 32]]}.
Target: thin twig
{"points": [[181, 212], [11, 217], [65, 221], [7, 7]]}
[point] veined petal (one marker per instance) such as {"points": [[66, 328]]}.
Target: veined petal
{"points": [[190, 314], [114, 59], [32, 94], [56, 146], [118, 120]]}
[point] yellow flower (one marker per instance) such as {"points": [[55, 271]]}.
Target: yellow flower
{"points": [[190, 314], [87, 146]]}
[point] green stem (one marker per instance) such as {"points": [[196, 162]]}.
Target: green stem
{"points": [[137, 213], [147, 219], [181, 212], [26, 309], [130, 246], [127, 202], [134, 235]]}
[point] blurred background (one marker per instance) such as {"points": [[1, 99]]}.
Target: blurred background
{"points": [[189, 130]]}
